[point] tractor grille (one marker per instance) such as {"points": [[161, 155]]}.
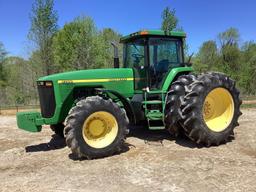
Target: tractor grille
{"points": [[47, 98]]}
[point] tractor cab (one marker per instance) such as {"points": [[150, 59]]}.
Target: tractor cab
{"points": [[152, 55]]}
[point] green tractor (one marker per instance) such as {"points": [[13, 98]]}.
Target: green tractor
{"points": [[93, 108]]}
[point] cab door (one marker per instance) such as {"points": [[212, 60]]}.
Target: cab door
{"points": [[164, 55], [136, 58]]}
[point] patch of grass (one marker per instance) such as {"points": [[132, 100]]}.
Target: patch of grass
{"points": [[248, 98], [244, 106]]}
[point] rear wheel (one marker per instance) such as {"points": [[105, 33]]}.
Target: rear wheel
{"points": [[174, 99], [96, 128], [211, 109]]}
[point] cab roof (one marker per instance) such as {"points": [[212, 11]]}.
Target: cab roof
{"points": [[143, 33]]}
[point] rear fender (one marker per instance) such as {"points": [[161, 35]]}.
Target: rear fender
{"points": [[173, 74]]}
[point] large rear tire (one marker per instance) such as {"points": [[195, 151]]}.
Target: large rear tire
{"points": [[175, 97], [96, 128], [211, 109]]}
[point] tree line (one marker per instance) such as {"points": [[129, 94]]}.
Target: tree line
{"points": [[79, 44], [229, 55]]}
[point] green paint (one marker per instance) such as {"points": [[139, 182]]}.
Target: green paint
{"points": [[30, 121], [64, 91], [177, 34], [122, 81], [172, 74]]}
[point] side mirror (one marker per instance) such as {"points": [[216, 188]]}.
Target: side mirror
{"points": [[116, 58]]}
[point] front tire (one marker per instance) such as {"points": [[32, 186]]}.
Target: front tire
{"points": [[96, 128]]}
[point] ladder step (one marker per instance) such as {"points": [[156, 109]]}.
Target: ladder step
{"points": [[156, 128], [155, 124], [154, 115], [152, 102], [156, 92]]}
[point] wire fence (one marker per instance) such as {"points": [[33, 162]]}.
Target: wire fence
{"points": [[17, 108], [9, 109]]}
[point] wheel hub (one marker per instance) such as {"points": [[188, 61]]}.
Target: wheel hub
{"points": [[208, 108], [96, 128], [218, 109], [100, 129]]}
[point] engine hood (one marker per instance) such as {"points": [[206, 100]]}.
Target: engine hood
{"points": [[92, 74]]}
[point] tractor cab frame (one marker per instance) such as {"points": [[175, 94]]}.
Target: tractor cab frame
{"points": [[152, 56], [156, 57]]}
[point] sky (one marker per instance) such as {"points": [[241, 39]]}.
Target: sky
{"points": [[202, 20]]}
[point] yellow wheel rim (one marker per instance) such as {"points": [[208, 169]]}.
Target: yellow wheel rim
{"points": [[100, 129], [218, 109]]}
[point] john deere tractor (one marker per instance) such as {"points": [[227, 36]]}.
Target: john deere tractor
{"points": [[93, 108]]}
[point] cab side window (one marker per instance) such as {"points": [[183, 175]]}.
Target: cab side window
{"points": [[165, 54]]}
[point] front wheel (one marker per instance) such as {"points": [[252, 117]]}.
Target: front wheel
{"points": [[96, 128]]}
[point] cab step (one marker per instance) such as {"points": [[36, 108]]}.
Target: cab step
{"points": [[154, 115], [156, 125], [152, 102]]}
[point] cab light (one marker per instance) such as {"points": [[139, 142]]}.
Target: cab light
{"points": [[144, 32]]}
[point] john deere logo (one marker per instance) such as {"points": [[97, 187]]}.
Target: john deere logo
{"points": [[66, 81], [93, 80]]}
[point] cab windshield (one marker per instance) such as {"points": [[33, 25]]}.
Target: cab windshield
{"points": [[151, 58], [163, 53], [135, 53]]}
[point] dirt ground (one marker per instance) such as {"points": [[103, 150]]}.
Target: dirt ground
{"points": [[153, 162]]}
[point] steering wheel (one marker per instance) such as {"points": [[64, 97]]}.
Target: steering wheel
{"points": [[137, 59], [138, 56]]}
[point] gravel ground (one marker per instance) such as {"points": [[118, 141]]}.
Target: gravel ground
{"points": [[153, 162]]}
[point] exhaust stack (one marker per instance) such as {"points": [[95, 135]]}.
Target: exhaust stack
{"points": [[116, 58]]}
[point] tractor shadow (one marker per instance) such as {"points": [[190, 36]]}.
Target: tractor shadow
{"points": [[55, 143], [124, 149], [150, 137], [156, 137]]}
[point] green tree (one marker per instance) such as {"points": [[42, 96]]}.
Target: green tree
{"points": [[248, 70], [34, 62], [79, 45], [169, 19], [207, 57], [109, 35], [230, 37], [43, 27], [74, 44], [2, 72], [19, 89], [230, 52]]}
